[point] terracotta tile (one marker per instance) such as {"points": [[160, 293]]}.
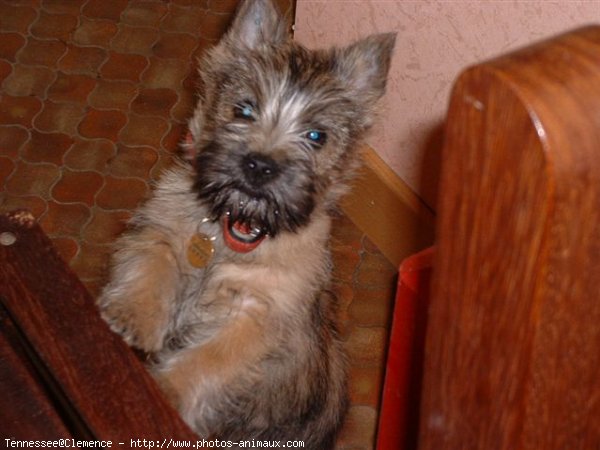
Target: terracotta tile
{"points": [[344, 292], [59, 117], [371, 306], [121, 193], [130, 39], [215, 25], [41, 52], [92, 261], [174, 137], [89, 154], [203, 46], [144, 14], [64, 219], [10, 43], [165, 160], [5, 70], [375, 270], [101, 9], [32, 179], [345, 295], [365, 385], [94, 32], [16, 18], [154, 102], [105, 226], [345, 261], [184, 20], [77, 187], [28, 81], [366, 346], [66, 247], [102, 124], [54, 26], [192, 82], [133, 161], [164, 73], [32, 3], [84, 60], [184, 108], [175, 45], [71, 88], [369, 246], [358, 432], [63, 7], [11, 140], [7, 166], [145, 101], [46, 147], [36, 205], [205, 4], [224, 6], [345, 232], [18, 110], [122, 66], [112, 94], [144, 130]]}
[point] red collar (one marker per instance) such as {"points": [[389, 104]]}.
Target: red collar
{"points": [[232, 242]]}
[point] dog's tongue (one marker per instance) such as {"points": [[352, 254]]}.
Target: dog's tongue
{"points": [[239, 237]]}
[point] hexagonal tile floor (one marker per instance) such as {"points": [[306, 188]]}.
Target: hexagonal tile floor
{"points": [[94, 99]]}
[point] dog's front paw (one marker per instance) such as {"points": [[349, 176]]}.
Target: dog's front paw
{"points": [[140, 326]]}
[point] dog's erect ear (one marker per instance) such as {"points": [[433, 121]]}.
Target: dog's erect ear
{"points": [[256, 22], [364, 65]]}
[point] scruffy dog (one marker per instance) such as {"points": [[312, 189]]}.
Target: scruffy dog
{"points": [[223, 277]]}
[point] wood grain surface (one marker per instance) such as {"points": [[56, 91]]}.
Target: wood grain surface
{"points": [[513, 344], [95, 379]]}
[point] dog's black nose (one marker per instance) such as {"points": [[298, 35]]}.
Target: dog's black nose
{"points": [[259, 169]]}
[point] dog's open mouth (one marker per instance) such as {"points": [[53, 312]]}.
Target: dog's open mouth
{"points": [[242, 237]]}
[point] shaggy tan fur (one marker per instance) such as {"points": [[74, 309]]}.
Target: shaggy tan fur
{"points": [[247, 347]]}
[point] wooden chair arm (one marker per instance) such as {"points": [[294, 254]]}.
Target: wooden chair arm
{"points": [[63, 373], [513, 344]]}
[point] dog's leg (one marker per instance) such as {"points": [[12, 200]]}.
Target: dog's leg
{"points": [[196, 379], [138, 302]]}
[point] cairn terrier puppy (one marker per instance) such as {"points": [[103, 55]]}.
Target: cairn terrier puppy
{"points": [[223, 277]]}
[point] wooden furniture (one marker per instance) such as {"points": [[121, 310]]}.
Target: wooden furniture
{"points": [[513, 343], [63, 373]]}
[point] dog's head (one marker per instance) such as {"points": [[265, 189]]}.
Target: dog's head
{"points": [[276, 128]]}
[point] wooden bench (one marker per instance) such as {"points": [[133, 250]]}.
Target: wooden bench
{"points": [[513, 343], [63, 373]]}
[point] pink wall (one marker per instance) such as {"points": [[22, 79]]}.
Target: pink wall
{"points": [[436, 39]]}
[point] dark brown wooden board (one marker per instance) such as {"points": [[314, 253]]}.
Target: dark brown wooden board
{"points": [[513, 345], [26, 409], [90, 367]]}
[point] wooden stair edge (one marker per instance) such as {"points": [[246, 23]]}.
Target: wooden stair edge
{"points": [[512, 346], [387, 210], [95, 371]]}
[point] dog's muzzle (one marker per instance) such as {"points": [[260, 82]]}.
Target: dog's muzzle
{"points": [[259, 169]]}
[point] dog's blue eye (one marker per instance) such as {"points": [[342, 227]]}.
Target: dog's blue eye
{"points": [[317, 137], [244, 111]]}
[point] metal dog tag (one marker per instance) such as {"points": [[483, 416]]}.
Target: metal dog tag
{"points": [[200, 250]]}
